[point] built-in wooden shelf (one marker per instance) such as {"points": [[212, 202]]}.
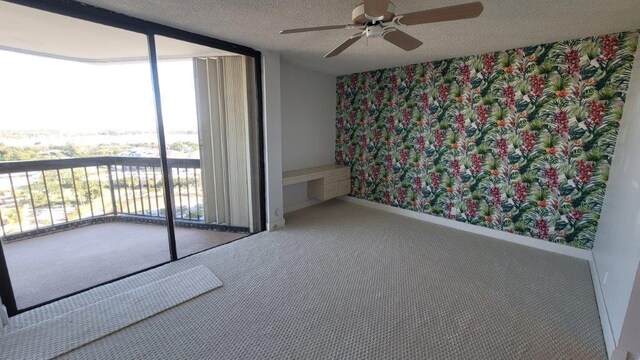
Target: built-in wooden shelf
{"points": [[325, 182]]}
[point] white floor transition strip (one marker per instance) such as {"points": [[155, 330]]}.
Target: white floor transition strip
{"points": [[69, 331]]}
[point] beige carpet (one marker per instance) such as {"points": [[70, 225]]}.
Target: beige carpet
{"points": [[61, 334], [342, 281]]}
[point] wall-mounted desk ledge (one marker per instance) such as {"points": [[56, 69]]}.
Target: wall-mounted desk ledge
{"points": [[325, 182]]}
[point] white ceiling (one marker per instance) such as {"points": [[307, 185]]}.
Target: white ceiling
{"points": [[504, 24], [38, 32]]}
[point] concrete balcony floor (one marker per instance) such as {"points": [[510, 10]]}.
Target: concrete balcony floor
{"points": [[54, 265]]}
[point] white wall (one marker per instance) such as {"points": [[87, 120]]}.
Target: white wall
{"points": [[629, 343], [272, 138], [308, 123], [617, 245]]}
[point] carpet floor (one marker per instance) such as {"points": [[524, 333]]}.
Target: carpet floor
{"points": [[342, 281], [50, 266], [65, 333]]}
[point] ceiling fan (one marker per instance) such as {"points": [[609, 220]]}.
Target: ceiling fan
{"points": [[377, 18]]}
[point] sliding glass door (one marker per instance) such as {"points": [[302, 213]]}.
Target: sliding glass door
{"points": [[207, 114], [81, 196], [120, 150]]}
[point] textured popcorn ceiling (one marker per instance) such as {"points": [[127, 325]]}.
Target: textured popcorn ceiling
{"points": [[504, 24]]}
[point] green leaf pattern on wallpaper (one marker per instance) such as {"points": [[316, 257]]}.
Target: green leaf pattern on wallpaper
{"points": [[519, 140]]}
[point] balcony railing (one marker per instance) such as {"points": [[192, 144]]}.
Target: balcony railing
{"points": [[37, 195]]}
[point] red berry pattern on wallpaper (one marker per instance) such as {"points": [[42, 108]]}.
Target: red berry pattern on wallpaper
{"points": [[519, 141]]}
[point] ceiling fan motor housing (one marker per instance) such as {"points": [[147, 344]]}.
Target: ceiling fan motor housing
{"points": [[360, 18]]}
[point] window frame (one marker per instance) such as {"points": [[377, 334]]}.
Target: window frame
{"points": [[150, 29]]}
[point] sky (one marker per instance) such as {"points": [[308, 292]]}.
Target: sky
{"points": [[41, 93]]}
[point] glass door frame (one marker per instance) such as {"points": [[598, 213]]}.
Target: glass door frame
{"points": [[105, 17]]}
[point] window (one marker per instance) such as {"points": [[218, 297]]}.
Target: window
{"points": [[125, 145]]}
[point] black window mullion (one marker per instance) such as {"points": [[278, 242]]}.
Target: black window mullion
{"points": [[6, 290], [164, 164]]}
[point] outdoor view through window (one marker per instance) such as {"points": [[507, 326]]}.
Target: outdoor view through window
{"points": [[83, 188], [57, 109]]}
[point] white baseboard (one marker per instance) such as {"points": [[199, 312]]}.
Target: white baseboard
{"points": [[496, 234], [275, 224], [607, 330], [300, 205]]}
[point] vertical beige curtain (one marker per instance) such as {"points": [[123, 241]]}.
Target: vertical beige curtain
{"points": [[225, 98]]}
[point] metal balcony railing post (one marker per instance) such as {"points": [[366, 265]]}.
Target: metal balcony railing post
{"points": [[112, 191]]}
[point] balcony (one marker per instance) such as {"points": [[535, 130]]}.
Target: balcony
{"points": [[69, 224]]}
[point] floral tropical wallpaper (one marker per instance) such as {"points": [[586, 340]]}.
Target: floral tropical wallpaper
{"points": [[519, 140]]}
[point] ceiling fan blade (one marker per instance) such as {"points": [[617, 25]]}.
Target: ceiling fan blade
{"points": [[402, 40], [455, 12], [376, 8], [342, 47], [318, 28]]}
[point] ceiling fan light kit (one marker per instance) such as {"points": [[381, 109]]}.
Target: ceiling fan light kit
{"points": [[378, 19]]}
